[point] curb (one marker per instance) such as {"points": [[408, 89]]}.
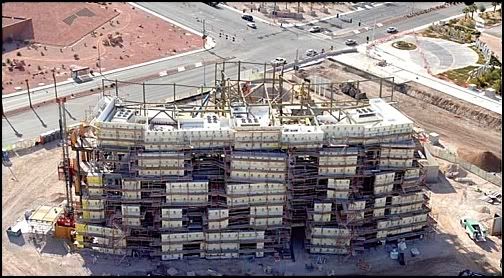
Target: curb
{"points": [[165, 18], [209, 44], [96, 90], [288, 25]]}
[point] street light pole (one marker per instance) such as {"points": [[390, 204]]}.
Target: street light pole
{"points": [[99, 57], [204, 73], [29, 97], [54, 80]]}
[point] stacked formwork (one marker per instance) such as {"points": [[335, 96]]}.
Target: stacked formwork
{"points": [[230, 192]]}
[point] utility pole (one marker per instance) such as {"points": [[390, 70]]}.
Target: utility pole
{"points": [[374, 27], [204, 33], [99, 57], [55, 90], [29, 96], [204, 73]]}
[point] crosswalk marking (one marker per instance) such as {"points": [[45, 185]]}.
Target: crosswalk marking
{"points": [[379, 24]]}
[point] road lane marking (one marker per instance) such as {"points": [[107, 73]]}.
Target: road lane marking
{"points": [[379, 24], [163, 73], [181, 69], [198, 64], [356, 31]]}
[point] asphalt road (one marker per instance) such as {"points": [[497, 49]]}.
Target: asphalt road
{"points": [[259, 45]]}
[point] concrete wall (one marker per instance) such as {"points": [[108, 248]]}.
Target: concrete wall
{"points": [[21, 30], [496, 225]]}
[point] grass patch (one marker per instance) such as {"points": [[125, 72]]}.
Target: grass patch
{"points": [[481, 58], [491, 79], [458, 76], [402, 45]]}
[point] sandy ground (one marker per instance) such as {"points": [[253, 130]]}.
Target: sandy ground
{"points": [[306, 8], [461, 131], [446, 251], [451, 200], [141, 42], [37, 184]]}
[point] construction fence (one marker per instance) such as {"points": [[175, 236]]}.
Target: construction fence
{"points": [[449, 156], [27, 146]]}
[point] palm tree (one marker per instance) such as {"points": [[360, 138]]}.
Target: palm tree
{"points": [[466, 11], [494, 4], [472, 9]]}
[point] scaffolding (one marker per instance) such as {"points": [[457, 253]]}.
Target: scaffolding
{"points": [[230, 170]]}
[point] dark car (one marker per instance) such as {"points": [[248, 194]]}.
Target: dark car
{"points": [[248, 17]]}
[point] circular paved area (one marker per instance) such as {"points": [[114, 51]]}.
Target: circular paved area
{"points": [[441, 55]]}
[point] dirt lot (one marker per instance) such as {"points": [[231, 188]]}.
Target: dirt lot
{"points": [[451, 200], [446, 251], [141, 42], [37, 184], [456, 122], [320, 10]]}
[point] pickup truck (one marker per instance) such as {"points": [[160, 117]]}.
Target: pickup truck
{"points": [[474, 229]]}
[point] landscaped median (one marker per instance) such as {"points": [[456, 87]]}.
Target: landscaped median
{"points": [[460, 30], [402, 45], [492, 17]]}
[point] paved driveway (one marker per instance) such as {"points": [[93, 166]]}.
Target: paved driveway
{"points": [[440, 55]]}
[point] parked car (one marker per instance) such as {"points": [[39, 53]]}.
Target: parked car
{"points": [[278, 61], [248, 17], [391, 30], [311, 53], [314, 29], [350, 42], [252, 25]]}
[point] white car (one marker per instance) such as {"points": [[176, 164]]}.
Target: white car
{"points": [[391, 30], [278, 61], [350, 42], [252, 25], [314, 29], [311, 53]]}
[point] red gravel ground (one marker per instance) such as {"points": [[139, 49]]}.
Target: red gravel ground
{"points": [[81, 18], [141, 42]]}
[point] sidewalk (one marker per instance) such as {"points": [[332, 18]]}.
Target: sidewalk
{"points": [[209, 44], [414, 73], [288, 25]]}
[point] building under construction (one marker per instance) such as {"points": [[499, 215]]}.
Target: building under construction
{"points": [[241, 168]]}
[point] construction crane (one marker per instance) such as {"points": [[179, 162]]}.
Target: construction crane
{"points": [[65, 164]]}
